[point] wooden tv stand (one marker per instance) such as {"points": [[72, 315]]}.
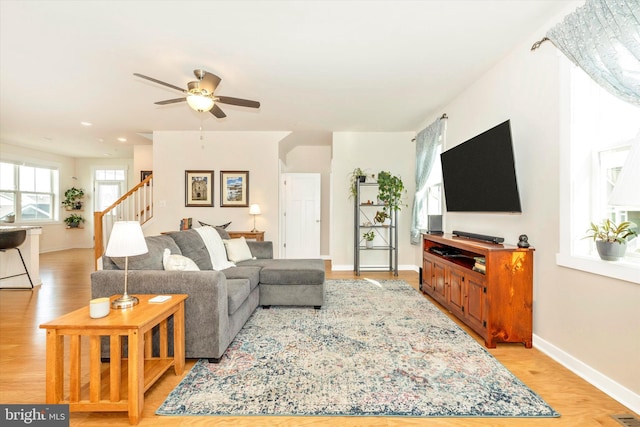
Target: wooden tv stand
{"points": [[498, 304]]}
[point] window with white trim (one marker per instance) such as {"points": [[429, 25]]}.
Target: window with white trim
{"points": [[28, 193], [602, 130]]}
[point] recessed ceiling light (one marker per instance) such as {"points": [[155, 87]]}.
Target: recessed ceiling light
{"points": [[121, 139], [86, 124]]}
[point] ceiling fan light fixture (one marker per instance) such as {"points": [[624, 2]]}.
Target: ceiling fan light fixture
{"points": [[200, 103]]}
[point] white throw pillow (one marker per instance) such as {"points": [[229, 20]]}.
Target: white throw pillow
{"points": [[178, 262], [238, 250]]}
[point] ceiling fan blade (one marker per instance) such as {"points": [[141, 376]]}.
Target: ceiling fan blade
{"points": [[216, 111], [151, 79], [208, 81], [170, 101], [238, 101]]}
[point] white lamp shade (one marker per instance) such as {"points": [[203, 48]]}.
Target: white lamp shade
{"points": [[126, 239], [627, 189], [254, 210], [200, 103]]}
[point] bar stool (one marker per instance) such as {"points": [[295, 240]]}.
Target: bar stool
{"points": [[11, 239]]}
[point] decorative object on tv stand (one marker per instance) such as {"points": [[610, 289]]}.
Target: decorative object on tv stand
{"points": [[254, 210], [611, 239], [126, 240], [74, 220], [72, 198], [523, 241]]}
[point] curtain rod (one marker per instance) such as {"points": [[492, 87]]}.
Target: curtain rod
{"points": [[443, 117], [539, 42]]}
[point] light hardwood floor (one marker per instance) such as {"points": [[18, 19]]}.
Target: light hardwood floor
{"points": [[66, 286]]}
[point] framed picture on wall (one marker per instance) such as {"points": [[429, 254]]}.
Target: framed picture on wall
{"points": [[234, 189], [198, 188], [144, 175]]}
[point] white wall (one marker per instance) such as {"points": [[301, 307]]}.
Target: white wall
{"points": [[174, 152], [590, 322], [142, 160], [372, 152]]}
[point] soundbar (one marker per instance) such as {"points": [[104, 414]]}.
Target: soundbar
{"points": [[492, 239]]}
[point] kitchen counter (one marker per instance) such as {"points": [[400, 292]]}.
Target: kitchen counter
{"points": [[10, 263]]}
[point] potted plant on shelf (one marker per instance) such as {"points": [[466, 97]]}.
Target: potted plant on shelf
{"points": [[73, 221], [611, 239], [390, 191], [357, 175], [368, 237], [72, 198]]}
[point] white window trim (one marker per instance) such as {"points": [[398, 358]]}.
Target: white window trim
{"points": [[37, 163], [622, 270]]}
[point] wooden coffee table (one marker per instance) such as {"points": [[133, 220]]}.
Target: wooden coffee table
{"points": [[143, 369]]}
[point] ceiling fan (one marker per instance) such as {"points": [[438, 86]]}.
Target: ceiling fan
{"points": [[200, 94]]}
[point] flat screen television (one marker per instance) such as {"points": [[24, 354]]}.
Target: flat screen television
{"points": [[479, 175]]}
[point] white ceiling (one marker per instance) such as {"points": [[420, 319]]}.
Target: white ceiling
{"points": [[315, 66]]}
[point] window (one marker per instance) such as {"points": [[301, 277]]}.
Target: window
{"points": [[110, 185], [602, 129], [28, 193]]}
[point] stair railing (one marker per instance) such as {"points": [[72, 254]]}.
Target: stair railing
{"points": [[135, 205]]}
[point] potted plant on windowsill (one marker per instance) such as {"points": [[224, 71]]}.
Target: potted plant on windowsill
{"points": [[74, 221], [611, 239], [368, 237]]}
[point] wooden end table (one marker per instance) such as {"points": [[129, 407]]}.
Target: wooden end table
{"points": [[143, 369], [257, 235]]}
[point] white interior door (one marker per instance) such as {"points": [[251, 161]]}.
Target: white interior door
{"points": [[301, 216]]}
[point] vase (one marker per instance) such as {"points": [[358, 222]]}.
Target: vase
{"points": [[369, 244], [611, 251]]}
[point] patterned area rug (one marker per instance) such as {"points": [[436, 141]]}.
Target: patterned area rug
{"points": [[375, 348]]}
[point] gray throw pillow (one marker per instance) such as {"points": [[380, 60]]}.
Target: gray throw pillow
{"points": [[152, 260]]}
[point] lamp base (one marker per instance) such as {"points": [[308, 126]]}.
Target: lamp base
{"points": [[124, 301]]}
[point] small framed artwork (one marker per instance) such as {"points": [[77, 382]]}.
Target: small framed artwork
{"points": [[234, 189], [198, 188], [144, 175]]}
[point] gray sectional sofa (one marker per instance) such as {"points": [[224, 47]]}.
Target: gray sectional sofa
{"points": [[220, 302]]}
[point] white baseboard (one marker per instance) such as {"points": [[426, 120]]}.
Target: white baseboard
{"points": [[617, 391]]}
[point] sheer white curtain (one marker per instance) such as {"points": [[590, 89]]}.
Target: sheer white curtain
{"points": [[603, 38], [427, 142]]}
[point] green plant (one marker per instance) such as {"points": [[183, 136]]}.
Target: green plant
{"points": [[369, 236], [608, 231], [72, 196], [390, 191], [73, 220], [356, 175]]}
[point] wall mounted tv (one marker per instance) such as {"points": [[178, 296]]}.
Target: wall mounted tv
{"points": [[479, 175]]}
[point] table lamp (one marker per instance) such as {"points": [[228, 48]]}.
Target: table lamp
{"points": [[254, 210], [126, 240]]}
